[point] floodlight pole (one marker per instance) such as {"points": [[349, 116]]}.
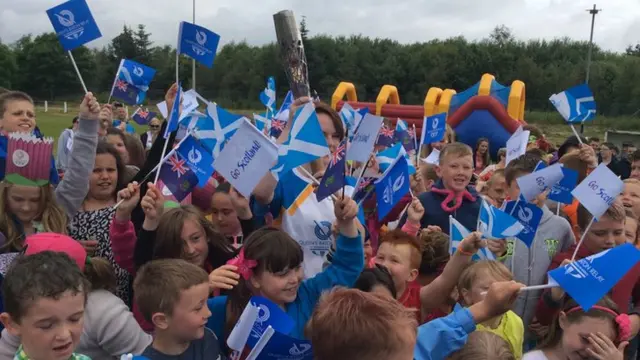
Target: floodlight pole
{"points": [[593, 13]]}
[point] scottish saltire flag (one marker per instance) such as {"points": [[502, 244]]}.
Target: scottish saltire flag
{"points": [[305, 142], [178, 177], [457, 233], [405, 135], [588, 280], [561, 192], [529, 216], [333, 178], [197, 158], [132, 82], [198, 43], [387, 157], [385, 137], [174, 116], [143, 116], [392, 186], [433, 128], [348, 117], [576, 105], [261, 121], [268, 96], [73, 23], [224, 124], [497, 224]]}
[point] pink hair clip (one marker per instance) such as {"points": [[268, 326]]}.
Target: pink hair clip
{"points": [[624, 327], [245, 266]]}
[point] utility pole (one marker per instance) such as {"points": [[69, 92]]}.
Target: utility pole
{"points": [[193, 62], [593, 13]]}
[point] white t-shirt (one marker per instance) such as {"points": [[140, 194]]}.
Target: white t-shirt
{"points": [[535, 355]]}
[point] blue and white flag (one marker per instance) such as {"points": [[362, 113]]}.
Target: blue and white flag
{"points": [[269, 314], [433, 128], [132, 82], [174, 117], [387, 157], [534, 184], [305, 143], [198, 43], [576, 105], [497, 224], [261, 121], [561, 192], [392, 187], [588, 280], [73, 23], [224, 125], [405, 135], [334, 177], [364, 139], [276, 346], [517, 144], [198, 159], [529, 216], [268, 97], [143, 116], [457, 233], [599, 190], [349, 117]]}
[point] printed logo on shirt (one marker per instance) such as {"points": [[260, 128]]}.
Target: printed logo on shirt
{"points": [[319, 246], [552, 247]]}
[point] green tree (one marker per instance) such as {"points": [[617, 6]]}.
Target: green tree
{"points": [[8, 67]]}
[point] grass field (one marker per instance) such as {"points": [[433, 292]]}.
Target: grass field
{"points": [[52, 123]]}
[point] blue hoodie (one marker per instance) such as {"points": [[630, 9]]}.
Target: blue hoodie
{"points": [[441, 337], [434, 214], [345, 268]]}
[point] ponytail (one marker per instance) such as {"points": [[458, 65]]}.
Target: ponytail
{"points": [[100, 274]]}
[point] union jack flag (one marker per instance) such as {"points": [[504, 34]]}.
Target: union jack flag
{"points": [[178, 165], [334, 177], [143, 113], [338, 154], [122, 85], [277, 127], [387, 132], [385, 138]]}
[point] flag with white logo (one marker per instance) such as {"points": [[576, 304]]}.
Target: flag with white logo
{"points": [[599, 190], [274, 345], [198, 43], [132, 82], [497, 224], [534, 184], [588, 280], [457, 233], [561, 192], [197, 159], [576, 105], [529, 216], [392, 186], [433, 128], [73, 23]]}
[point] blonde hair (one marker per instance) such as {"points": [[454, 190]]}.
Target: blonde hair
{"points": [[484, 345], [632, 181], [615, 212], [457, 149], [497, 270], [50, 214]]}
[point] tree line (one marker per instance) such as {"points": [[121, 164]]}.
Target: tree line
{"points": [[38, 66]]}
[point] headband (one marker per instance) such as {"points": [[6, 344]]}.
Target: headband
{"points": [[622, 321]]}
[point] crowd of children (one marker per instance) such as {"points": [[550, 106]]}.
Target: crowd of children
{"points": [[103, 263]]}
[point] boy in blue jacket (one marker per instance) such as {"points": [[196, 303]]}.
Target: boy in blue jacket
{"points": [[451, 195]]}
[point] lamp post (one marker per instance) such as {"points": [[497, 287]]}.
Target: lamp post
{"points": [[593, 13]]}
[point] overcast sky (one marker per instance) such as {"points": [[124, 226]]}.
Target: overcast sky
{"points": [[617, 26]]}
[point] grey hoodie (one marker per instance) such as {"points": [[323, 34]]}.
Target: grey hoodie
{"points": [[554, 235]]}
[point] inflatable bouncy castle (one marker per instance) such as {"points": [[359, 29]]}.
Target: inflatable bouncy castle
{"points": [[487, 109]]}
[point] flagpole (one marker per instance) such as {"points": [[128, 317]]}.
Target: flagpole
{"points": [[193, 61], [166, 140], [75, 66], [584, 233], [115, 80]]}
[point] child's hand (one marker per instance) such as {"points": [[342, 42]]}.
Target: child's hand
{"points": [[90, 246], [89, 108], [602, 348], [497, 247], [130, 197], [500, 297], [225, 277], [588, 155], [241, 204], [346, 211], [152, 204], [538, 329], [417, 185], [472, 243], [415, 211], [170, 96], [106, 113]]}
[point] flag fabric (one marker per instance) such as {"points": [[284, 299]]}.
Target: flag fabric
{"points": [[73, 23], [261, 121], [433, 128], [529, 215], [561, 192], [457, 233], [404, 136], [387, 157], [588, 280], [534, 184], [197, 159], [598, 190], [334, 176], [392, 187], [220, 127], [268, 96], [576, 105], [277, 127], [178, 177], [385, 137], [365, 189], [517, 144], [497, 224], [349, 117], [174, 117], [132, 82], [363, 141], [198, 43], [274, 345], [433, 158], [143, 116], [305, 143]]}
